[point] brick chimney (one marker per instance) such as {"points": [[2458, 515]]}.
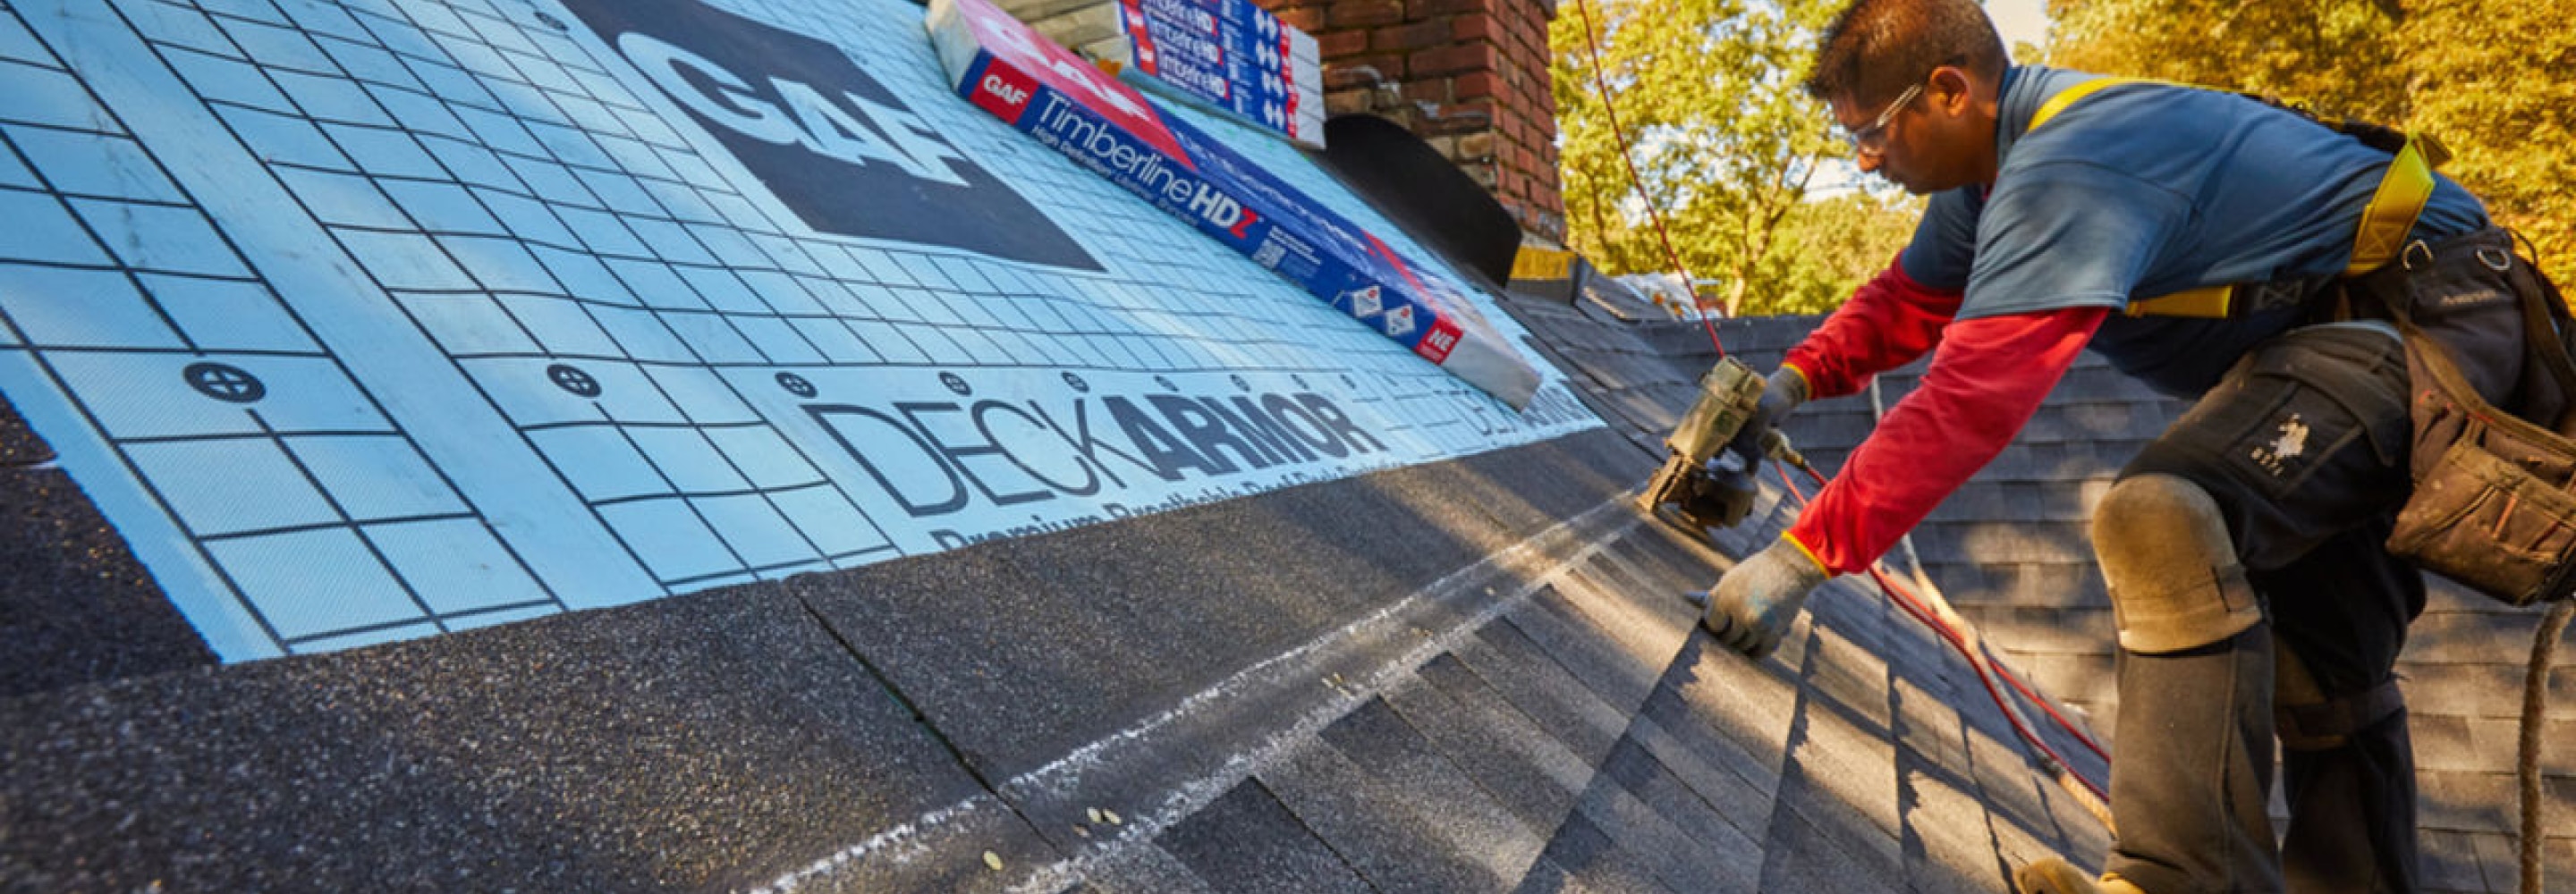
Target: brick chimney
{"points": [[1468, 76]]}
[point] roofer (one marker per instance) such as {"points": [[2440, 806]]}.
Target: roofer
{"points": [[2243, 547]]}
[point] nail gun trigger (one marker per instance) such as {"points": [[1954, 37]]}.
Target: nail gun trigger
{"points": [[1727, 461]]}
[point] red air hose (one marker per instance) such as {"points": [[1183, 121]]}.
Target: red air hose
{"points": [[1627, 157], [1987, 670]]}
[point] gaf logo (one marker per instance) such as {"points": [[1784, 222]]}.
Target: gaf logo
{"points": [[830, 142], [1005, 91], [848, 127]]}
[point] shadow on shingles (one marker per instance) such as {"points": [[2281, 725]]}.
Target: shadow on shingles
{"points": [[75, 605], [1810, 836], [2462, 666]]}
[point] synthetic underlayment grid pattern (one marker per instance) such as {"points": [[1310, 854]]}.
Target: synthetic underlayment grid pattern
{"points": [[538, 344]]}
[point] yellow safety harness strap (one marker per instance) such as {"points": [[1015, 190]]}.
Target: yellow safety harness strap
{"points": [[2393, 209], [2401, 196]]}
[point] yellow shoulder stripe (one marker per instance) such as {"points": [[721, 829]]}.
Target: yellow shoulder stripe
{"points": [[2068, 97]]}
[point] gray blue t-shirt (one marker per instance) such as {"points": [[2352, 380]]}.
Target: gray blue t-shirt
{"points": [[2146, 189]]}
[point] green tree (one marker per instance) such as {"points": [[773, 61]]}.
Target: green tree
{"points": [[1830, 246], [2490, 79], [1727, 144]]}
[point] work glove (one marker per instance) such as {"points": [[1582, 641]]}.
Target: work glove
{"points": [[1756, 601], [1781, 393]]}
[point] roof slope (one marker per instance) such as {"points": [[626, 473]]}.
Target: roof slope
{"points": [[1257, 695], [1262, 695]]}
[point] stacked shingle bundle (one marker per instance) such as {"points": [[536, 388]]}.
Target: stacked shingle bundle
{"points": [[1228, 55]]}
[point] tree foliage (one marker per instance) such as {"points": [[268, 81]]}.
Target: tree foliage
{"points": [[2329, 54], [2495, 81], [1728, 146], [1830, 246]]}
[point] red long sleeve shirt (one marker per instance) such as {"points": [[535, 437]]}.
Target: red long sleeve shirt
{"points": [[1987, 379]]}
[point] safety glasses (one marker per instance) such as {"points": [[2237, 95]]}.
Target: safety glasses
{"points": [[1872, 140]]}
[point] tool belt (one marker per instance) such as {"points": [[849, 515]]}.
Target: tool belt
{"points": [[2494, 501]]}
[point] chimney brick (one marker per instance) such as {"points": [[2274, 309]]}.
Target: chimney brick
{"points": [[1410, 36], [1477, 83], [1457, 7], [1453, 59], [1337, 44], [1347, 71], [1474, 27], [1365, 13]]}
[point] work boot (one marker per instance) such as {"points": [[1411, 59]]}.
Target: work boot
{"points": [[2054, 876]]}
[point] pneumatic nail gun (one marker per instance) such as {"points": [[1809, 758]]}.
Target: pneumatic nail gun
{"points": [[1704, 485]]}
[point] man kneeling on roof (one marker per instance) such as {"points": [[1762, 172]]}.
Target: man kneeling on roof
{"points": [[2243, 548]]}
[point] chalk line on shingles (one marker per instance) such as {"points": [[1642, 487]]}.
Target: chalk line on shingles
{"points": [[905, 841]]}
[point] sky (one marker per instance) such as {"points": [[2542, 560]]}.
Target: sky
{"points": [[2020, 21]]}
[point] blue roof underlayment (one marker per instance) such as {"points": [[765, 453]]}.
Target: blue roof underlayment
{"points": [[376, 320]]}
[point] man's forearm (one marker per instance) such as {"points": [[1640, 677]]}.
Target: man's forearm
{"points": [[1888, 322], [1988, 380]]}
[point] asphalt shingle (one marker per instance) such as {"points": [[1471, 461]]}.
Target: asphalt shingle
{"points": [[1246, 842], [1613, 661], [612, 750], [1799, 856], [1645, 777], [75, 605], [1420, 776], [1396, 844], [1148, 868], [1584, 858], [1667, 851], [1522, 767], [1527, 676]]}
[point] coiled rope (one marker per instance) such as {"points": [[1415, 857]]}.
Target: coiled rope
{"points": [[2526, 770]]}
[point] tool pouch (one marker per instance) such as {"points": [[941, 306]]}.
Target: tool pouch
{"points": [[2494, 501]]}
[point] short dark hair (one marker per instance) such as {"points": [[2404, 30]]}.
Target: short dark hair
{"points": [[1876, 48]]}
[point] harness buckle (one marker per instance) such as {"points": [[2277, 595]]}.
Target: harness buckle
{"points": [[2406, 258], [2496, 259]]}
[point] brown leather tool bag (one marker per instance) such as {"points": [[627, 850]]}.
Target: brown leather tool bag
{"points": [[2494, 504]]}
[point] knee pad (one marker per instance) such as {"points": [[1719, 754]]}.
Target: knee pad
{"points": [[2172, 571]]}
